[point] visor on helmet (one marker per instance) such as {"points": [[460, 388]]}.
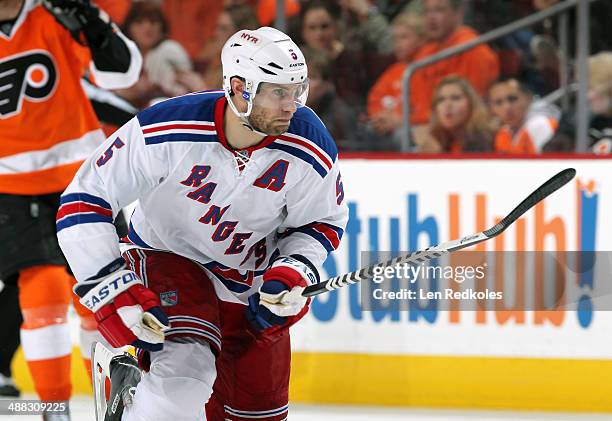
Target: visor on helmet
{"points": [[278, 96]]}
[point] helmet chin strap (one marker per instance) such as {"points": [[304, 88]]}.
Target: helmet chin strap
{"points": [[249, 126]]}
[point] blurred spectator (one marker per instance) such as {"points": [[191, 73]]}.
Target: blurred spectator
{"points": [[192, 22], [600, 98], [444, 28], [459, 120], [320, 32], [167, 70], [385, 97], [600, 29], [232, 19], [546, 61], [525, 126], [513, 50], [364, 28], [320, 28], [391, 8], [339, 119], [544, 46], [486, 15], [116, 9]]}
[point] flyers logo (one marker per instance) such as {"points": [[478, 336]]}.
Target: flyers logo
{"points": [[31, 76]]}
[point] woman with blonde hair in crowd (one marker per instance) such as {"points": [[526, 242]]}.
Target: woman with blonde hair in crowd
{"points": [[459, 120]]}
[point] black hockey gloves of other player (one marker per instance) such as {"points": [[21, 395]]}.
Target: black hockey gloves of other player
{"points": [[127, 312], [279, 302], [81, 17]]}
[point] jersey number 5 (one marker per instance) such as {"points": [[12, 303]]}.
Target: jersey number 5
{"points": [[108, 154], [339, 190]]}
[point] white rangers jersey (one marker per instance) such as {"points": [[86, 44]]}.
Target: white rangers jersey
{"points": [[232, 212]]}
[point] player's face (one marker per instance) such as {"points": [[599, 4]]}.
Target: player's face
{"points": [[452, 107], [274, 105], [508, 103]]}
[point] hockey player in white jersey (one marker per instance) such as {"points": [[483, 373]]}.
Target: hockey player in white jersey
{"points": [[240, 200]]}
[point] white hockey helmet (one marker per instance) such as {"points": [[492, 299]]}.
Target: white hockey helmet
{"points": [[263, 55]]}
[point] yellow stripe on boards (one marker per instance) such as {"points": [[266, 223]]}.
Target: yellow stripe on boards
{"points": [[452, 382], [426, 381]]}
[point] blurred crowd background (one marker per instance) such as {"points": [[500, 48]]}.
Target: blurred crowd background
{"points": [[500, 97]]}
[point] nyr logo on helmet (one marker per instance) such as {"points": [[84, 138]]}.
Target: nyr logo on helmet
{"points": [[250, 38], [28, 76]]}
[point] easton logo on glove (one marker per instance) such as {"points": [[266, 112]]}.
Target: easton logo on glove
{"points": [[286, 267], [105, 292]]}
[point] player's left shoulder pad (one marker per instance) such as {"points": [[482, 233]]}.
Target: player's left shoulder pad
{"points": [[310, 137]]}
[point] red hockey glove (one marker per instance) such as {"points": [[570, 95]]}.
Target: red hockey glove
{"points": [[279, 301], [127, 312]]}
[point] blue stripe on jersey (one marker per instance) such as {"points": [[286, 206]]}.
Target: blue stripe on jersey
{"points": [[300, 154], [307, 124], [181, 137], [314, 234], [84, 197], [230, 284], [135, 238], [190, 107], [81, 218]]}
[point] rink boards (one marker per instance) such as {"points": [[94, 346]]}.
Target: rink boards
{"points": [[552, 361]]}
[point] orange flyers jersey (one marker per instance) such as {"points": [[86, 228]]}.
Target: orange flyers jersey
{"points": [[47, 125], [529, 139]]}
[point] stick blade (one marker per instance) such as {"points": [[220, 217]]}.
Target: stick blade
{"points": [[546, 189]]}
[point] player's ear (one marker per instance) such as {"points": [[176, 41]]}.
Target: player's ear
{"points": [[237, 85]]}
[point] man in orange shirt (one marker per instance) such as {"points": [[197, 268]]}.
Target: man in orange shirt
{"points": [[444, 28], [526, 127], [48, 127]]}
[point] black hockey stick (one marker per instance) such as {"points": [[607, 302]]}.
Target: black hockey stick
{"points": [[546, 189]]}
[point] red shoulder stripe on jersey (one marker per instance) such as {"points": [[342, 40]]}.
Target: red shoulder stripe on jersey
{"points": [[81, 207], [328, 232], [178, 126], [326, 160]]}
